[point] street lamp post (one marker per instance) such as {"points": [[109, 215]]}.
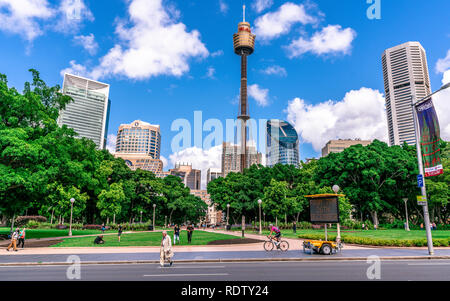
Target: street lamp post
{"points": [[141, 218], [426, 216], [228, 216], [165, 221], [260, 226], [338, 226], [154, 206], [406, 211], [72, 200]]}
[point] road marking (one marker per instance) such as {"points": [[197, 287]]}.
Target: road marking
{"points": [[195, 267], [185, 275], [431, 263]]}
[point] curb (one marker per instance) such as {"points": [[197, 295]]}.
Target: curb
{"points": [[227, 260]]}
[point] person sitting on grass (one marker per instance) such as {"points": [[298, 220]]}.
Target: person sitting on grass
{"points": [[99, 240]]}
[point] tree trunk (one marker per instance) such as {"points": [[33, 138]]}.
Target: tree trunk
{"points": [[107, 220], [298, 216], [170, 217], [374, 215], [51, 219], [12, 222]]}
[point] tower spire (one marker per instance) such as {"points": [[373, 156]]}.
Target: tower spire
{"points": [[243, 15]]}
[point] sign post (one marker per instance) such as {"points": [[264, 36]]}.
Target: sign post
{"points": [[324, 208]]}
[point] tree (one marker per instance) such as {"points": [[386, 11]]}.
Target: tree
{"points": [[109, 201]]}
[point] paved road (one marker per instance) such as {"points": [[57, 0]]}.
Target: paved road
{"points": [[418, 270], [14, 257]]}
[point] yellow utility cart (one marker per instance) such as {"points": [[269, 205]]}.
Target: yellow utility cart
{"points": [[321, 247]]}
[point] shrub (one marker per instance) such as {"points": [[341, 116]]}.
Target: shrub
{"points": [[60, 227], [23, 220], [94, 227]]}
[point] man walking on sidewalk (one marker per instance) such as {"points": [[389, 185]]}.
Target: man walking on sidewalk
{"points": [[13, 243], [176, 234], [22, 238], [190, 229], [166, 252]]}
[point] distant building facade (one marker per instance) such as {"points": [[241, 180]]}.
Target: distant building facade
{"points": [[337, 146], [281, 143], [88, 114], [212, 174], [190, 177], [139, 144], [212, 216], [405, 73], [231, 161]]}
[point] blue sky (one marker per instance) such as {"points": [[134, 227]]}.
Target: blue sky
{"points": [[316, 64]]}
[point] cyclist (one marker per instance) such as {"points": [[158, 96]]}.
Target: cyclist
{"points": [[277, 236]]}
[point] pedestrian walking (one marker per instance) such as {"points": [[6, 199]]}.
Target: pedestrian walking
{"points": [[190, 229], [165, 252], [434, 226], [294, 227], [103, 228], [363, 226], [421, 226], [176, 234], [119, 232], [22, 238], [13, 243]]}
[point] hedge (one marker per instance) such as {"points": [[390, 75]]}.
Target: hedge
{"points": [[380, 242]]}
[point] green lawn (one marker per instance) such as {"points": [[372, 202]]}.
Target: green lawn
{"points": [[44, 233], [143, 239]]}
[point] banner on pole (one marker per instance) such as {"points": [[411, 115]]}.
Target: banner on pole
{"points": [[429, 138]]}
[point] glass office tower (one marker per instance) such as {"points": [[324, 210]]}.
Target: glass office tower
{"points": [[282, 143], [89, 113]]}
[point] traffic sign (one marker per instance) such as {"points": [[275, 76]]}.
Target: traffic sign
{"points": [[419, 181], [421, 200]]}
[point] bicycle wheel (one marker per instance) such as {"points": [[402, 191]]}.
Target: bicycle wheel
{"points": [[284, 245], [268, 246]]}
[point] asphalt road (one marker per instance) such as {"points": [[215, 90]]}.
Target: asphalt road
{"points": [[414, 270]]}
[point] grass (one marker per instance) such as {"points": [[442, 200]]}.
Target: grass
{"points": [[45, 233], [143, 239]]}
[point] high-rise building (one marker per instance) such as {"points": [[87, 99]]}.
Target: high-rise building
{"points": [[191, 178], [337, 146], [244, 45], [213, 216], [282, 143], [139, 144], [212, 174], [405, 72], [231, 158], [88, 114]]}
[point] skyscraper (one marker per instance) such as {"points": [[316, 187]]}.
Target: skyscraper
{"points": [[191, 178], [405, 73], [231, 158], [212, 174], [139, 144], [282, 143], [244, 45], [88, 115], [337, 146]]}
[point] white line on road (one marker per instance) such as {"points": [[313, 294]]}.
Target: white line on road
{"points": [[431, 263], [195, 267], [184, 275]]}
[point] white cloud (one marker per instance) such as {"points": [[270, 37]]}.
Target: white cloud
{"points": [[361, 114], [152, 44], [273, 24], [22, 17], [441, 103], [275, 70], [200, 159], [223, 6], [330, 40], [259, 94], [217, 53], [72, 14], [443, 65], [210, 73], [75, 69], [111, 143], [260, 5], [164, 161], [87, 42]]}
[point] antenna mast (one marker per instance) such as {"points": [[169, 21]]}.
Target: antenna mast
{"points": [[243, 7]]}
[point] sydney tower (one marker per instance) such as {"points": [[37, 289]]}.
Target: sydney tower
{"points": [[244, 45]]}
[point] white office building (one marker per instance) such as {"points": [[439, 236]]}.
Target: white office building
{"points": [[405, 73], [88, 115]]}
